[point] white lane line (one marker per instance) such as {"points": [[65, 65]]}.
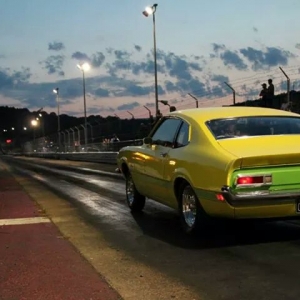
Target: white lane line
{"points": [[24, 221]]}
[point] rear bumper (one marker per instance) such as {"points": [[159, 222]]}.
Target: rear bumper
{"points": [[272, 198], [274, 205], [271, 206]]}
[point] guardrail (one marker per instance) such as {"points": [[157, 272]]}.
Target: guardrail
{"points": [[100, 157], [101, 153]]}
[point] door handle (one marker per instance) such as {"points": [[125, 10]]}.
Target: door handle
{"points": [[163, 154]]}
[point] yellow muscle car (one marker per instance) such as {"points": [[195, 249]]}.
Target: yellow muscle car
{"points": [[225, 162]]}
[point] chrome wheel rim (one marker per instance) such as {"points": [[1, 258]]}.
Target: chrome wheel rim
{"points": [[130, 190], [189, 209]]}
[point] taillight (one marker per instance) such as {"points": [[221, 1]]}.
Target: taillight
{"points": [[254, 180]]}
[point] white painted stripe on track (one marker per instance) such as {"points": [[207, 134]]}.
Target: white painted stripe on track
{"points": [[24, 221]]}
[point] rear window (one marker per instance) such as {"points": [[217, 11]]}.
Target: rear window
{"points": [[253, 126]]}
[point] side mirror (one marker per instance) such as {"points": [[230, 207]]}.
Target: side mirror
{"points": [[147, 140]]}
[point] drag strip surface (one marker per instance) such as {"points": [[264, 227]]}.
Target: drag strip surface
{"points": [[235, 260]]}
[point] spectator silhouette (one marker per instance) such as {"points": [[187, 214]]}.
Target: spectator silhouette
{"points": [[270, 94], [264, 94]]}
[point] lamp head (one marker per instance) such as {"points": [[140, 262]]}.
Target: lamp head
{"points": [[164, 102], [149, 10]]}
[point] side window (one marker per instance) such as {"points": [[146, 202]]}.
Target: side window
{"points": [[183, 135], [165, 133]]}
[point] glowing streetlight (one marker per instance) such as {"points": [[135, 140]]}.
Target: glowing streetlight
{"points": [[24, 128], [84, 67], [12, 128], [34, 123], [150, 10]]}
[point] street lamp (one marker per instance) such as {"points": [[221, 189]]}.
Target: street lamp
{"points": [[165, 102], [84, 67], [56, 91], [34, 123], [150, 10]]}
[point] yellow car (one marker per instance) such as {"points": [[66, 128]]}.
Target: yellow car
{"points": [[224, 162]]}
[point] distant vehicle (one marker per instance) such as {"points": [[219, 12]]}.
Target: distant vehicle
{"points": [[225, 162]]}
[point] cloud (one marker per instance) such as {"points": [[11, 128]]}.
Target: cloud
{"points": [[271, 57], [56, 46], [11, 79], [101, 92], [254, 29], [53, 64], [297, 46], [217, 91], [231, 58], [138, 48], [177, 66], [128, 106], [228, 57], [218, 47], [80, 56], [95, 60], [122, 54], [2, 56], [219, 78]]}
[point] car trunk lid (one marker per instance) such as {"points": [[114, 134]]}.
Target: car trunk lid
{"points": [[264, 150]]}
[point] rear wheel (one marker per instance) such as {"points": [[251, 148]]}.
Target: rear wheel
{"points": [[135, 200], [192, 215]]}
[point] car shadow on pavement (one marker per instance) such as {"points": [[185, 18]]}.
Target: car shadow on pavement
{"points": [[221, 233]]}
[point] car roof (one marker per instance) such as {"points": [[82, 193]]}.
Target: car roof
{"points": [[210, 113]]}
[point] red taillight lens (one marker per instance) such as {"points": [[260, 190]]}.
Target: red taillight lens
{"points": [[250, 180], [220, 197]]}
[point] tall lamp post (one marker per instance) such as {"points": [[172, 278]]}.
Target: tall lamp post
{"points": [[84, 67], [150, 10], [56, 91], [34, 123]]}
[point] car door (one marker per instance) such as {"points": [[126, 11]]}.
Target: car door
{"points": [[157, 156]]}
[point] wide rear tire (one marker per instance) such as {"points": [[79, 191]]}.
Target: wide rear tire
{"points": [[192, 216], [134, 199]]}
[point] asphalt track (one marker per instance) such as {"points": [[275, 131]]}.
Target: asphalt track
{"points": [[147, 256]]}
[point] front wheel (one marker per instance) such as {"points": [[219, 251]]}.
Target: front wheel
{"points": [[192, 215], [134, 199]]}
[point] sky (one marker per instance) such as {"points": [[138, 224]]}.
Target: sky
{"points": [[200, 45]]}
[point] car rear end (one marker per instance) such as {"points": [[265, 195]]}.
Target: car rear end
{"points": [[264, 180]]}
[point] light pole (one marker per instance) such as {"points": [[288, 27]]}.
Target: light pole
{"points": [[150, 10], [56, 91], [34, 123], [84, 67]]}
